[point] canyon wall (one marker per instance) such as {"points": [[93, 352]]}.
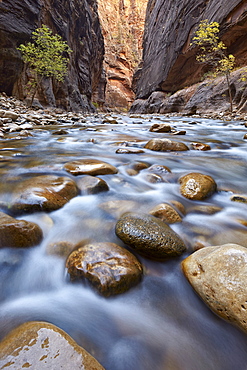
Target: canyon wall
{"points": [[122, 23], [78, 23], [169, 62]]}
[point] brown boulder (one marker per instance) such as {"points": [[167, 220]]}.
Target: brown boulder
{"points": [[110, 268], [200, 146], [149, 236], [18, 233], [92, 167], [165, 145], [197, 186], [160, 127], [92, 185], [219, 275], [166, 213], [42, 193], [39, 345]]}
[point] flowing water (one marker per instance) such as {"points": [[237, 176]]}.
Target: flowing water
{"points": [[160, 324]]}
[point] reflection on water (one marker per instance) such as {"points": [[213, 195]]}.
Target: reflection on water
{"points": [[161, 324]]}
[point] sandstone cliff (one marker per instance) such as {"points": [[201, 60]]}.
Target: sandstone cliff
{"points": [[122, 24], [168, 60], [78, 23]]}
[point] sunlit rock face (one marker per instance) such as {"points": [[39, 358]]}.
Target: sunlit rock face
{"points": [[168, 60], [78, 23], [122, 23]]}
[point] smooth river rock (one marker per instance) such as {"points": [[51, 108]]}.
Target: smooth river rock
{"points": [[42, 193], [110, 268], [165, 145], [166, 213], [149, 236], [92, 167], [43, 346], [219, 275], [160, 127], [92, 185], [197, 186], [18, 233]]}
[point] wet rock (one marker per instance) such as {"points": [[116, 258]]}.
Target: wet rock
{"points": [[39, 345], [179, 206], [200, 146], [160, 127], [245, 136], [181, 132], [136, 167], [164, 145], [149, 236], [92, 185], [166, 213], [60, 132], [153, 178], [61, 249], [206, 210], [219, 275], [159, 169], [18, 233], [129, 151], [239, 198], [10, 114], [42, 193], [197, 186], [110, 268], [90, 167]]}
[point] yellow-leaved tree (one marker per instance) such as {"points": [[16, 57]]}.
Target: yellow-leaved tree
{"points": [[212, 51], [46, 56]]}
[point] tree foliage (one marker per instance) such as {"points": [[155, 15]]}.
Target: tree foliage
{"points": [[212, 51], [45, 56]]}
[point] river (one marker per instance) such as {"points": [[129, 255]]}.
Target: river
{"points": [[161, 324]]}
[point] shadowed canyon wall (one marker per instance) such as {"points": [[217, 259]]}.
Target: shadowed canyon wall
{"points": [[122, 24], [78, 23], [169, 62]]}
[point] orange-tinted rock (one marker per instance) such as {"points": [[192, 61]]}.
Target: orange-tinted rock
{"points": [[92, 185], [166, 213], [197, 186], [160, 127], [39, 345], [42, 193], [200, 146], [18, 233], [92, 167], [219, 275], [110, 268], [165, 145]]}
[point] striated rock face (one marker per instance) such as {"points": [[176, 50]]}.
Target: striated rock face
{"points": [[77, 22], [168, 60], [122, 24]]}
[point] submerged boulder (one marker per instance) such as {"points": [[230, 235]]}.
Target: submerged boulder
{"points": [[219, 275], [92, 185], [197, 186], [18, 233], [39, 345], [42, 193], [165, 145], [166, 213], [92, 167], [149, 236], [110, 268]]}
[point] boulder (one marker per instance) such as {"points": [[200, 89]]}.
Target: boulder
{"points": [[149, 236], [92, 167], [197, 186], [42, 193], [18, 233], [219, 275], [109, 268], [166, 213], [165, 145], [39, 345], [160, 127], [200, 146], [92, 185]]}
